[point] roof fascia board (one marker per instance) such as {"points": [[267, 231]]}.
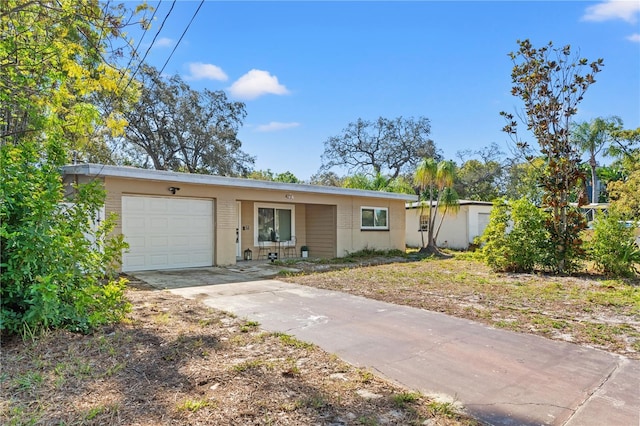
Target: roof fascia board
{"points": [[415, 205], [101, 170]]}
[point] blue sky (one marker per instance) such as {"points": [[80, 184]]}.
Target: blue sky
{"points": [[307, 69]]}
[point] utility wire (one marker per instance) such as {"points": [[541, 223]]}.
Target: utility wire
{"points": [[133, 74], [135, 50], [183, 33]]}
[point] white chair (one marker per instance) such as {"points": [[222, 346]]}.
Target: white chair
{"points": [[263, 250], [290, 248]]}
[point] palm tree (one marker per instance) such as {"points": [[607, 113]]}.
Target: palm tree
{"points": [[448, 202], [591, 137], [435, 180]]}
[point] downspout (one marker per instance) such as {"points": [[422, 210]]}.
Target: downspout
{"points": [[467, 213]]}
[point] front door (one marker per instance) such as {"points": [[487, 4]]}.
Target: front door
{"points": [[238, 233]]}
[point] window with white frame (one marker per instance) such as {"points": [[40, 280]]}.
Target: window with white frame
{"points": [[274, 222], [374, 218], [424, 222]]}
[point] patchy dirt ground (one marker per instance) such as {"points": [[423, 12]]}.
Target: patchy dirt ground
{"points": [[589, 309], [177, 362]]}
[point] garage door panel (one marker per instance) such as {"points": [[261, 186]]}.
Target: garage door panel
{"points": [[181, 225], [136, 242], [158, 243], [180, 208], [159, 261], [199, 210], [158, 224], [179, 242], [180, 259], [134, 225], [133, 204], [167, 233], [199, 257], [157, 205], [133, 262], [200, 243]]}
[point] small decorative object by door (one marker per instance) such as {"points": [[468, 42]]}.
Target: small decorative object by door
{"points": [[304, 251], [248, 255]]}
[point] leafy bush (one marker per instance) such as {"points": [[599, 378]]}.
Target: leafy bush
{"points": [[53, 275], [515, 237], [612, 247], [565, 248]]}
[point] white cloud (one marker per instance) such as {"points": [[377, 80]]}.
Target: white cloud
{"points": [[634, 38], [275, 126], [256, 83], [613, 9], [164, 42], [200, 71]]}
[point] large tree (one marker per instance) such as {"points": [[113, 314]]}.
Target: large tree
{"points": [[378, 183], [523, 180], [286, 177], [481, 174], [173, 127], [327, 178], [384, 146], [551, 82], [592, 138], [54, 57], [625, 193]]}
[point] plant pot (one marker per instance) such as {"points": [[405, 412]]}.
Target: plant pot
{"points": [[304, 253]]}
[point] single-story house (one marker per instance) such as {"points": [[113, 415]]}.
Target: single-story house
{"points": [[458, 229], [179, 220]]}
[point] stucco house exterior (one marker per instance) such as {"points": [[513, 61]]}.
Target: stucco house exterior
{"points": [[458, 229], [179, 220]]}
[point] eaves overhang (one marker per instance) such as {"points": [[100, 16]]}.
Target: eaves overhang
{"points": [[124, 172]]}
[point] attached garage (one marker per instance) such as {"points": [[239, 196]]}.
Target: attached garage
{"points": [[165, 233]]}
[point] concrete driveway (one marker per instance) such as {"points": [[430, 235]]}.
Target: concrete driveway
{"points": [[501, 377]]}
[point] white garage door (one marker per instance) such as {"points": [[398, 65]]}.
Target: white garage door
{"points": [[166, 233]]}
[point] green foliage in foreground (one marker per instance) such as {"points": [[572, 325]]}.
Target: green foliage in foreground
{"points": [[612, 247], [58, 57], [515, 238], [54, 265], [373, 252]]}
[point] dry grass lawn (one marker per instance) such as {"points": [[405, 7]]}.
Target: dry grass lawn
{"points": [[177, 362], [589, 309]]}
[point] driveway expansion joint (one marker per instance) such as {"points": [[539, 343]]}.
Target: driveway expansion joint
{"points": [[592, 394]]}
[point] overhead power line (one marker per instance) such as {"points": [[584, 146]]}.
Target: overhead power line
{"points": [[133, 74], [144, 33], [183, 33]]}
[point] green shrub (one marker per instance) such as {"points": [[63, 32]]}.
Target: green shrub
{"points": [[515, 237], [612, 247], [57, 269]]}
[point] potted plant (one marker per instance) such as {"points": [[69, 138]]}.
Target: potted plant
{"points": [[304, 251]]}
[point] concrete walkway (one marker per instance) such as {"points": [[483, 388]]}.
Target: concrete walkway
{"points": [[501, 378]]}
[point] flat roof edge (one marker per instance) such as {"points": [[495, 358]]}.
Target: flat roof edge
{"points": [[126, 172], [415, 205]]}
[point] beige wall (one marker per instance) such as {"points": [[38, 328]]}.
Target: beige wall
{"points": [[457, 231], [328, 224], [321, 231], [355, 239]]}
